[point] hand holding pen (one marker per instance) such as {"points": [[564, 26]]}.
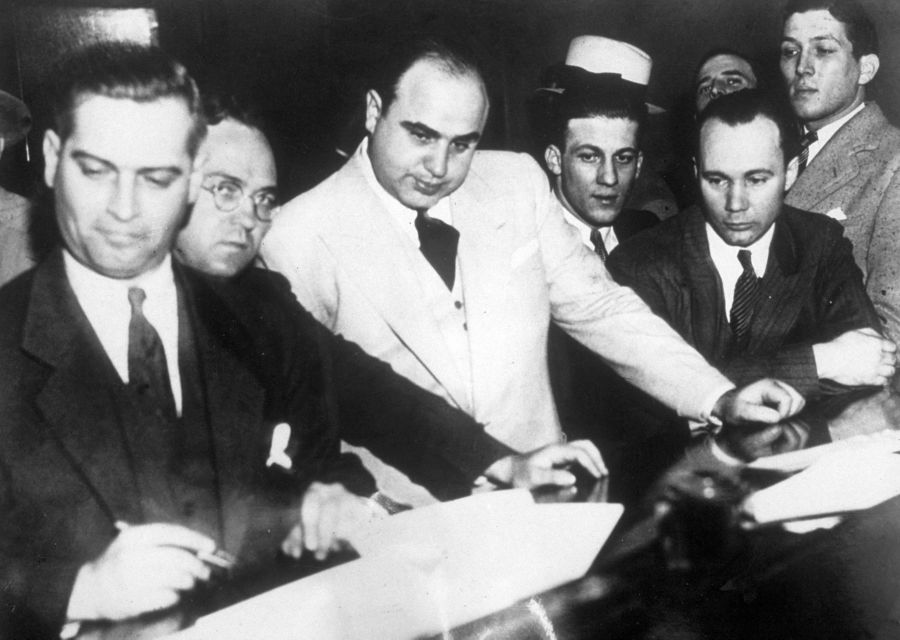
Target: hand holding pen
{"points": [[146, 568]]}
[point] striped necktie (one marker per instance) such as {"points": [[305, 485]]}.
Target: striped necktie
{"points": [[805, 142], [746, 293]]}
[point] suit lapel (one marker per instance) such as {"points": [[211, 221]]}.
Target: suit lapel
{"points": [[781, 286], [837, 163], [381, 261], [77, 400], [485, 259], [703, 288]]}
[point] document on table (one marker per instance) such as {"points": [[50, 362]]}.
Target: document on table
{"points": [[848, 479], [887, 441], [425, 571]]}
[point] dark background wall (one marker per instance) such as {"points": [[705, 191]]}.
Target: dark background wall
{"points": [[306, 60]]}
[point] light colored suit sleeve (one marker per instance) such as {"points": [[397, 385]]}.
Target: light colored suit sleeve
{"points": [[614, 322], [883, 258]]}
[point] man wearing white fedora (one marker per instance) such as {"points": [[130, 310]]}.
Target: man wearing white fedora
{"points": [[15, 211], [595, 108], [449, 264]]}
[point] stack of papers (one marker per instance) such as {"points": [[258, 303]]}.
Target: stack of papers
{"points": [[425, 571]]}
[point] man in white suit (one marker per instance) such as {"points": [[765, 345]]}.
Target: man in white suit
{"points": [[449, 264]]}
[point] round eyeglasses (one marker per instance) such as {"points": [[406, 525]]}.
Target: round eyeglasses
{"points": [[228, 196]]}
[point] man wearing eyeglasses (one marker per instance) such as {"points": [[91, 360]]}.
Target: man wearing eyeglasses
{"points": [[238, 198]]}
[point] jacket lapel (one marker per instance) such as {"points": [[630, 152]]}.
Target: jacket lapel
{"points": [[837, 163], [703, 288], [485, 258], [381, 261], [77, 399], [778, 307]]}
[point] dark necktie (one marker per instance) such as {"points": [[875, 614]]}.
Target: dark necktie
{"points": [[148, 374], [438, 242], [599, 246], [805, 142], [746, 293]]}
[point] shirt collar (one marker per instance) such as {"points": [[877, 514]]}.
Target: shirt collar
{"points": [[87, 283], [723, 253], [826, 133], [403, 216], [583, 228]]}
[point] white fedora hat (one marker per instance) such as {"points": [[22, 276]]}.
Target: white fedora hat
{"points": [[605, 55]]}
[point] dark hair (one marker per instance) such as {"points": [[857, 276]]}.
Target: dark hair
{"points": [[742, 107], [121, 70], [601, 97], [456, 59], [860, 30], [218, 106]]}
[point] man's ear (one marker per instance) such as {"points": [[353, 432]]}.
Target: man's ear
{"points": [[373, 109], [790, 174], [868, 67], [51, 147], [638, 164], [694, 167], [553, 158]]}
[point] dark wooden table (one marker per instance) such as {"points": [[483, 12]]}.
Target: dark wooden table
{"points": [[842, 583]]}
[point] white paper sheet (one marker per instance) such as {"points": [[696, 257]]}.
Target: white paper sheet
{"points": [[425, 571], [887, 441], [844, 480]]}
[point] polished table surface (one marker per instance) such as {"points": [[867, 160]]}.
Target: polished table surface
{"points": [[841, 583]]}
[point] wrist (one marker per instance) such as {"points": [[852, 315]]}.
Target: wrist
{"points": [[501, 471]]}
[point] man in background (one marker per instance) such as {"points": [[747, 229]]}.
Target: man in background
{"points": [[849, 168], [16, 253]]}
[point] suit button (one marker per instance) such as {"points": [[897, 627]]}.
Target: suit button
{"points": [[465, 326], [457, 304]]}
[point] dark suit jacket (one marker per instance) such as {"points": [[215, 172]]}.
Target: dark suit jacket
{"points": [[65, 476], [813, 292]]}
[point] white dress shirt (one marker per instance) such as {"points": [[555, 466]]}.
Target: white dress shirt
{"points": [[725, 259], [610, 241], [105, 303]]}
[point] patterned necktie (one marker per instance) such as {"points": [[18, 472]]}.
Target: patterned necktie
{"points": [[148, 374], [805, 142], [746, 293], [599, 246], [438, 242]]}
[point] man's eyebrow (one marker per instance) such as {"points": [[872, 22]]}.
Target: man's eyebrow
{"points": [[419, 128], [468, 138], [223, 174], [78, 154]]}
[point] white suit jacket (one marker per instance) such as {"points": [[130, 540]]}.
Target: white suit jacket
{"points": [[520, 265]]}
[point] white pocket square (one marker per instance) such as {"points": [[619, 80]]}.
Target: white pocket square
{"points": [[524, 252], [281, 437], [837, 214]]}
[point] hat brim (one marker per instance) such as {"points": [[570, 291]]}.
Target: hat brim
{"points": [[560, 77]]}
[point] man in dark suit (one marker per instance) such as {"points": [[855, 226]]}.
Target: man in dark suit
{"points": [[829, 54], [152, 415], [758, 287]]}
